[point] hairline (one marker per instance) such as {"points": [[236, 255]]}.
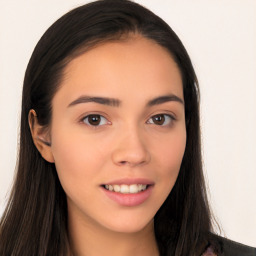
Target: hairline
{"points": [[120, 37]]}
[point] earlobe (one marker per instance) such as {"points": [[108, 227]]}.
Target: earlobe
{"points": [[40, 136]]}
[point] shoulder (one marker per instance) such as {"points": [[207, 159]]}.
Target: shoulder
{"points": [[231, 248]]}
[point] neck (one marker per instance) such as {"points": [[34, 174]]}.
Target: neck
{"points": [[94, 240]]}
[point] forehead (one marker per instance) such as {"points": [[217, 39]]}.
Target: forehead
{"points": [[135, 65]]}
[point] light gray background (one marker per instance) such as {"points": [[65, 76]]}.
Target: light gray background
{"points": [[220, 36]]}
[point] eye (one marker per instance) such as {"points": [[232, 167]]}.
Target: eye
{"points": [[161, 119], [95, 120]]}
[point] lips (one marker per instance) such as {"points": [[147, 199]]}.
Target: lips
{"points": [[128, 192]]}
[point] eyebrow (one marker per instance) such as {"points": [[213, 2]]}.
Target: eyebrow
{"points": [[163, 99], [116, 102], [101, 100]]}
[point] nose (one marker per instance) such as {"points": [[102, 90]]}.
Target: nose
{"points": [[131, 149]]}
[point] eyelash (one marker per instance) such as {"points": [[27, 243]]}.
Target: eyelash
{"points": [[170, 122], [94, 115], [170, 117]]}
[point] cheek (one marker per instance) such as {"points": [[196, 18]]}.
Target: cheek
{"points": [[76, 159], [169, 156]]}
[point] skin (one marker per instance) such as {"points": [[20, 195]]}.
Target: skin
{"points": [[128, 143]]}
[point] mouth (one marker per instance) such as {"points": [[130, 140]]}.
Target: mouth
{"points": [[125, 188], [128, 194]]}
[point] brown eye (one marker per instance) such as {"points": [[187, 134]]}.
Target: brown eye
{"points": [[161, 119], [95, 120]]}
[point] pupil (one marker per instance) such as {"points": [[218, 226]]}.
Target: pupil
{"points": [[94, 119], [159, 119]]}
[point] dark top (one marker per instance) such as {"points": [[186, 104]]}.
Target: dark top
{"points": [[231, 248]]}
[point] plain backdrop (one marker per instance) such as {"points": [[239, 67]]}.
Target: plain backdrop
{"points": [[220, 36]]}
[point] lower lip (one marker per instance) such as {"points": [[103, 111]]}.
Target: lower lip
{"points": [[129, 199]]}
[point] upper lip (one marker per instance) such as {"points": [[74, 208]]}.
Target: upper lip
{"points": [[129, 181]]}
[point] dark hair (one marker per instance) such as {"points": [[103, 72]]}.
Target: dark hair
{"points": [[34, 222]]}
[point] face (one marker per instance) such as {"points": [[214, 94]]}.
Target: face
{"points": [[118, 133]]}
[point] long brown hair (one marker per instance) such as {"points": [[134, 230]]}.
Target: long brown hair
{"points": [[35, 219]]}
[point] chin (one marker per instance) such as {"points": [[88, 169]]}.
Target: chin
{"points": [[131, 226]]}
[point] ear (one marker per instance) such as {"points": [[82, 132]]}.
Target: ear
{"points": [[40, 136]]}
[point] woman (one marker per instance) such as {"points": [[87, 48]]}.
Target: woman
{"points": [[110, 157]]}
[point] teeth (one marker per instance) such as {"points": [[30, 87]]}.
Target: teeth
{"points": [[123, 189], [126, 189], [134, 188], [117, 188]]}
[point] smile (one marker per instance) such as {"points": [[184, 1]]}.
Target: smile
{"points": [[126, 189], [128, 195]]}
